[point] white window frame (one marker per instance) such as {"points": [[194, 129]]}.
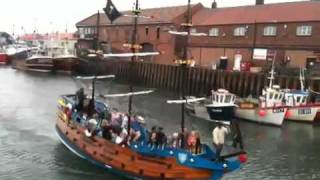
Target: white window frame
{"points": [[270, 31], [214, 32], [239, 31], [304, 30]]}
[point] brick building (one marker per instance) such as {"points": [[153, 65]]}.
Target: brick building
{"points": [[152, 32], [284, 31], [257, 33]]}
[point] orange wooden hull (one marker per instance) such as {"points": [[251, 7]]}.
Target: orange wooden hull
{"points": [[126, 161]]}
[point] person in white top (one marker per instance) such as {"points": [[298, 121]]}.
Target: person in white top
{"points": [[218, 136]]}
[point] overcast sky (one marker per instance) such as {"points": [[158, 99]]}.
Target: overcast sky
{"points": [[57, 15]]}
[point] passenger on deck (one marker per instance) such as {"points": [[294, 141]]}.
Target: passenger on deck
{"points": [[183, 137], [192, 140], [218, 135], [125, 119], [153, 136], [174, 141], [92, 126], [106, 130], [198, 143], [161, 138], [80, 99], [138, 131], [236, 135]]}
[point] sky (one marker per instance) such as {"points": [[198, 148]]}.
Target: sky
{"points": [[47, 16]]}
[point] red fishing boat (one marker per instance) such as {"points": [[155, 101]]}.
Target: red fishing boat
{"points": [[4, 58]]}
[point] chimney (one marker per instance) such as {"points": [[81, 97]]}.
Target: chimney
{"points": [[214, 5], [259, 2]]}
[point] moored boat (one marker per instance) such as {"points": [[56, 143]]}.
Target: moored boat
{"points": [[219, 106], [39, 63], [4, 58], [65, 63], [268, 109], [300, 109]]}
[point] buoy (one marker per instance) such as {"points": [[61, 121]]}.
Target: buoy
{"points": [[243, 158], [262, 113], [288, 114]]}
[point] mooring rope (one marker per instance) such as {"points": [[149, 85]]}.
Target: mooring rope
{"points": [[315, 92]]}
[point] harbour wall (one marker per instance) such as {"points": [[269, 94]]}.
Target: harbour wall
{"points": [[199, 81]]}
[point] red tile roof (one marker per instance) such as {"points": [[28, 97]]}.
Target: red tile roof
{"points": [[55, 36], [160, 15], [268, 13]]}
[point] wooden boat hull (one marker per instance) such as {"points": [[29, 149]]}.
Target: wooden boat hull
{"points": [[124, 161], [39, 67], [303, 113], [272, 116], [67, 65]]}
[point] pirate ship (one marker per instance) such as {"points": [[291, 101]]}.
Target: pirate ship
{"points": [[135, 159]]}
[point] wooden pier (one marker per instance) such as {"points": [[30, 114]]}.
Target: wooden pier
{"points": [[200, 80]]}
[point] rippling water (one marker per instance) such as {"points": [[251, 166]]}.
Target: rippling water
{"points": [[29, 148]]}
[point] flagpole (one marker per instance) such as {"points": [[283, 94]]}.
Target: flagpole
{"points": [[98, 32], [136, 13], [184, 68]]}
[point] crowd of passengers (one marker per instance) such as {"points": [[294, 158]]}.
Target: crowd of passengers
{"points": [[113, 126]]}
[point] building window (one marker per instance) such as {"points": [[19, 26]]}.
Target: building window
{"points": [[239, 31], [270, 31], [214, 32], [147, 31], [158, 32], [304, 30], [193, 30]]}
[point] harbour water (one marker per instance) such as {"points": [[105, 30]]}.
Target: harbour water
{"points": [[30, 149]]}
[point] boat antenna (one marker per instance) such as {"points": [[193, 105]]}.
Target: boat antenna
{"points": [[302, 79], [271, 78], [134, 48], [184, 63]]}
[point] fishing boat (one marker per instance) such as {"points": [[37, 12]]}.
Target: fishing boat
{"points": [[300, 109], [133, 159], [219, 106], [4, 58], [65, 63], [39, 63], [268, 109]]}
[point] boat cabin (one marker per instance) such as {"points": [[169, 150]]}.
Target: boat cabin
{"points": [[222, 97], [272, 97], [296, 98]]}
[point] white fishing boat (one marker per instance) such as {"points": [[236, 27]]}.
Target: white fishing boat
{"points": [[299, 107], [268, 109], [218, 107]]}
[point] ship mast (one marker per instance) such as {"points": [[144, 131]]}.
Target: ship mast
{"points": [[184, 64], [134, 47]]}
